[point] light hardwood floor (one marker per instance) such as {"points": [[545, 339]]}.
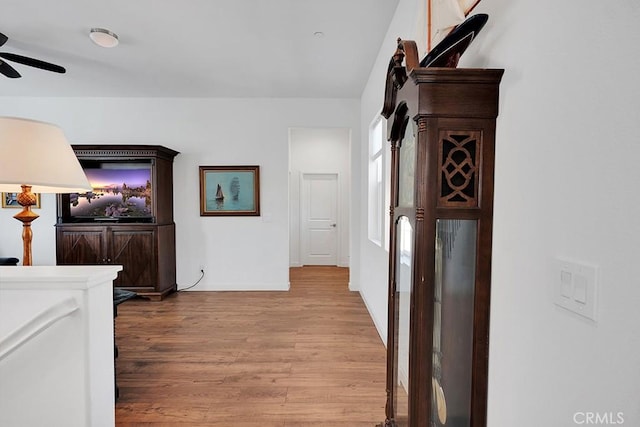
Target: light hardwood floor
{"points": [[308, 357]]}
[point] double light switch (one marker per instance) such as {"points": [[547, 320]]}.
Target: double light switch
{"points": [[575, 287]]}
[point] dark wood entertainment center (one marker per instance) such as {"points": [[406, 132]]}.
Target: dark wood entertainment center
{"points": [[144, 246]]}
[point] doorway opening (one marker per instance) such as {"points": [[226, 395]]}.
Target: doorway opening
{"points": [[319, 196]]}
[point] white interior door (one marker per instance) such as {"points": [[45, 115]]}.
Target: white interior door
{"points": [[318, 219]]}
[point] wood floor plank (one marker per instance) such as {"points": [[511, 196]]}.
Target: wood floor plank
{"points": [[308, 357]]}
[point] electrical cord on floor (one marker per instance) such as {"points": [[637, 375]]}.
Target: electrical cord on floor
{"points": [[197, 281]]}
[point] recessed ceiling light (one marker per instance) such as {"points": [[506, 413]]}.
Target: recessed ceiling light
{"points": [[104, 38]]}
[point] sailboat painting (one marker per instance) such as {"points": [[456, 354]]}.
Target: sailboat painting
{"points": [[229, 190]]}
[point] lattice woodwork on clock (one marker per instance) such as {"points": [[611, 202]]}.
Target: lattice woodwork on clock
{"points": [[459, 162]]}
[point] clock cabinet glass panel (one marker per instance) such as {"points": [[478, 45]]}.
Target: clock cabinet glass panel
{"points": [[407, 165], [454, 286], [404, 260]]}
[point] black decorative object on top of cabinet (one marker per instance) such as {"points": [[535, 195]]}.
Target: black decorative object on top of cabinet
{"points": [[127, 220], [441, 126]]}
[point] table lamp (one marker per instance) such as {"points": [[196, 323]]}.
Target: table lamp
{"points": [[35, 157]]}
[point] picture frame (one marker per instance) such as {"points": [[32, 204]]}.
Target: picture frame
{"points": [[10, 200], [229, 190]]}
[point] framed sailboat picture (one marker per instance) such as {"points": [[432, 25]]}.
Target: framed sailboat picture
{"points": [[229, 190]]}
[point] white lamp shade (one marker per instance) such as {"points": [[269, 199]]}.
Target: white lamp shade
{"points": [[38, 154]]}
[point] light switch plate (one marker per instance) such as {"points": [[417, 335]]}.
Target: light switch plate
{"points": [[575, 287]]}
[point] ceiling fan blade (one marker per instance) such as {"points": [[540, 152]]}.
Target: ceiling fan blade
{"points": [[32, 62], [8, 70], [3, 39]]}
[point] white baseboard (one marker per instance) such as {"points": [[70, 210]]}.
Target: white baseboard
{"points": [[375, 322], [213, 287]]}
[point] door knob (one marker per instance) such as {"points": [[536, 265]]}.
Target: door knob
{"points": [[333, 225]]}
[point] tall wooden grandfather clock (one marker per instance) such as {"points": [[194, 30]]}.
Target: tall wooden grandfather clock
{"points": [[441, 125]]}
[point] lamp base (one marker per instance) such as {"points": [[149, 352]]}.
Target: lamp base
{"points": [[26, 199]]}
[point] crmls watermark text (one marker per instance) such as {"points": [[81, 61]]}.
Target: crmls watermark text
{"points": [[598, 418]]}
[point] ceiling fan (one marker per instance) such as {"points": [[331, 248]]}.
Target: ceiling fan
{"points": [[11, 72]]}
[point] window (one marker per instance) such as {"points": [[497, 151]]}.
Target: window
{"points": [[379, 186]]}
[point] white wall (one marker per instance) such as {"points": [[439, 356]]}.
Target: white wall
{"points": [[320, 151], [374, 259], [56, 346], [236, 252], [42, 228], [566, 172]]}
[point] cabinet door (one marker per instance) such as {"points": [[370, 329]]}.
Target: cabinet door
{"points": [[77, 247], [135, 250]]}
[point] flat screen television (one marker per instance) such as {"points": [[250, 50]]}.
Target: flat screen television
{"points": [[121, 192]]}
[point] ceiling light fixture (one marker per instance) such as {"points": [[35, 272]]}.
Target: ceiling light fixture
{"points": [[103, 38]]}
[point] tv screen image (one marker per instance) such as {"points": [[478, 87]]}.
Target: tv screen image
{"points": [[117, 193]]}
